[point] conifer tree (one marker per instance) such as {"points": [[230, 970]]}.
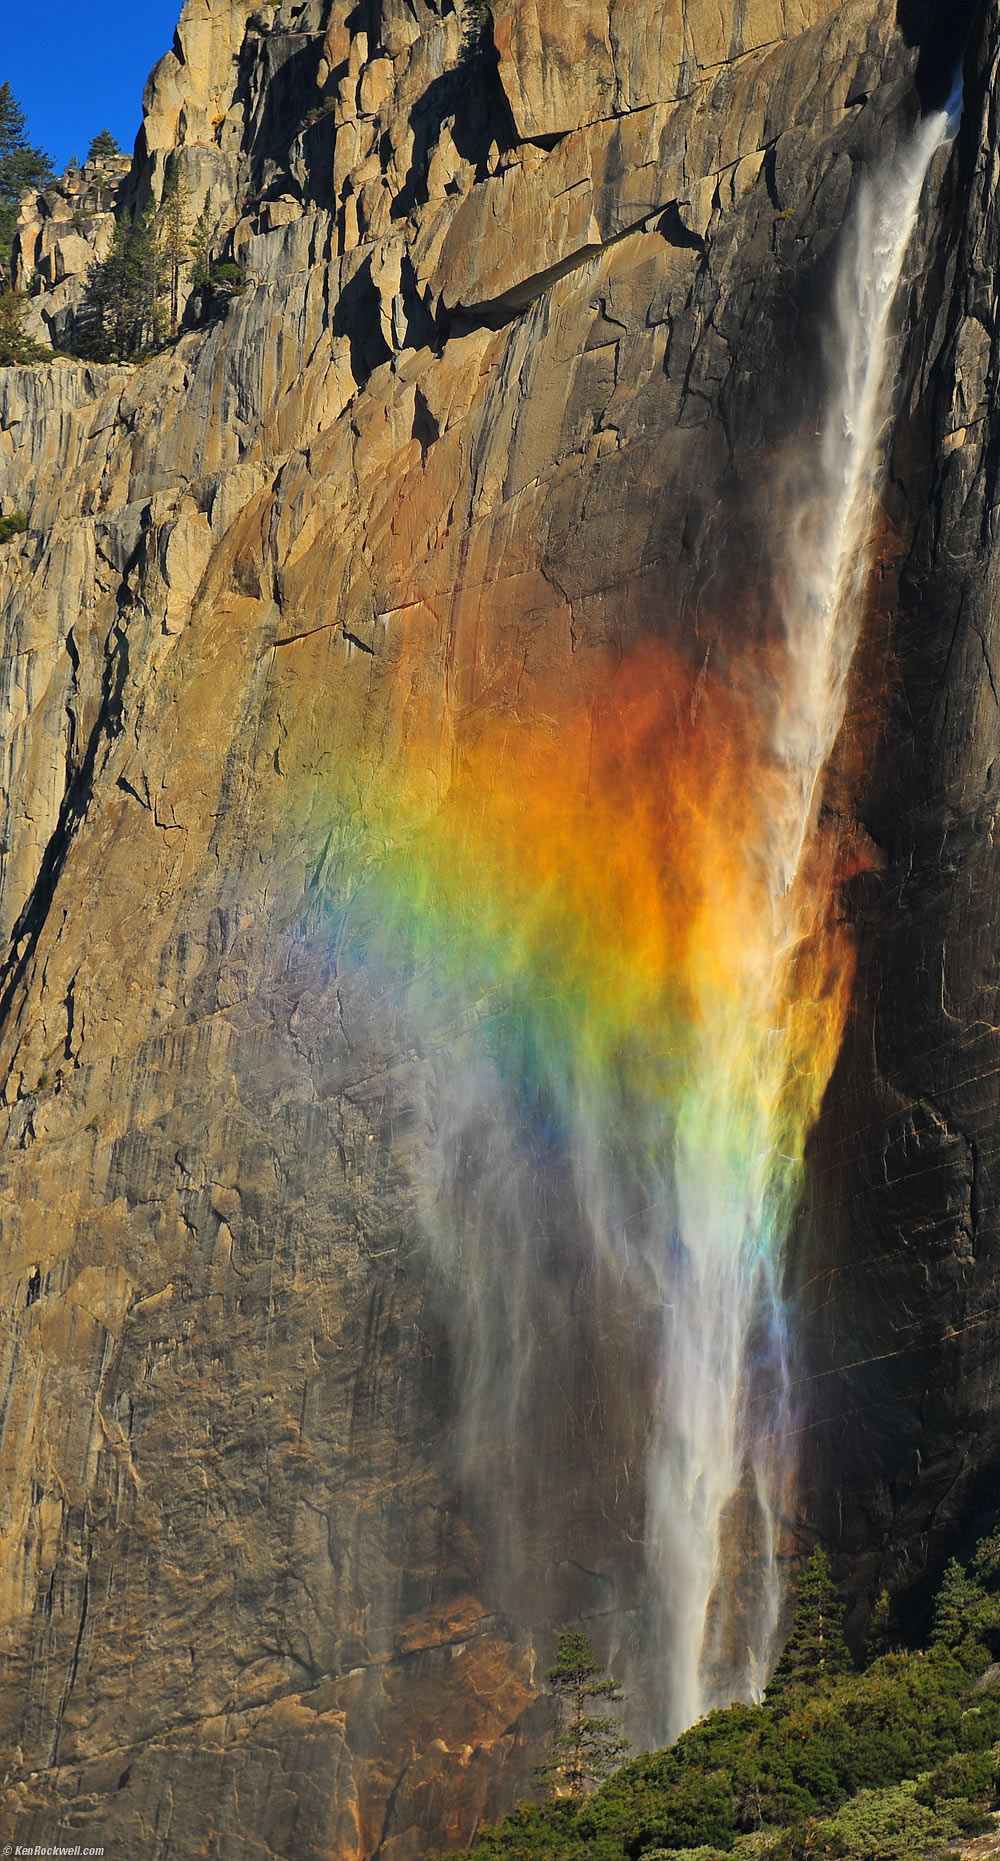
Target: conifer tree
{"points": [[16, 346], [174, 237], [882, 1637], [122, 313], [21, 169], [816, 1648], [200, 245], [588, 1745], [986, 1561], [104, 148], [957, 1607]]}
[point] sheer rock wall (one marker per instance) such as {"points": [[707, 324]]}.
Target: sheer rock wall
{"points": [[529, 343], [899, 1318]]}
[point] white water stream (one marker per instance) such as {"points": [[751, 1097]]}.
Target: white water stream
{"points": [[724, 1341]]}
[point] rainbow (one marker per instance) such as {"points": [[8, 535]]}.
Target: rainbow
{"points": [[592, 912], [618, 932]]}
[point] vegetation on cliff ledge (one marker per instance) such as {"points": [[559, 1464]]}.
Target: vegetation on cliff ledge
{"points": [[895, 1763], [133, 301]]}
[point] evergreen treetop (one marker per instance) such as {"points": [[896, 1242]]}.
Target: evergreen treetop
{"points": [[173, 232], [104, 147], [967, 1607], [588, 1746], [121, 315], [986, 1560], [21, 169], [883, 1635], [956, 1606], [816, 1648], [16, 346]]}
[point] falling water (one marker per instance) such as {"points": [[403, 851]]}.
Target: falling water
{"points": [[828, 556], [628, 994], [725, 1380]]}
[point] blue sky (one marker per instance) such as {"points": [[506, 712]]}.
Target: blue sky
{"points": [[78, 67]]}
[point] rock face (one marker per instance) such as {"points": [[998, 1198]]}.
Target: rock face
{"points": [[905, 1178], [61, 232], [529, 342]]}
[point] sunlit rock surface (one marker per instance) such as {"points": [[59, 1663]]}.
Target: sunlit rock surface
{"points": [[529, 351], [61, 232]]}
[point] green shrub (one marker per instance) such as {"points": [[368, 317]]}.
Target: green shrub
{"points": [[14, 525], [227, 277], [698, 1811], [980, 1726], [684, 1854], [892, 1825], [477, 25], [218, 284], [316, 115], [970, 1775]]}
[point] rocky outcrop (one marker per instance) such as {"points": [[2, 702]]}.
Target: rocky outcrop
{"points": [[527, 352], [61, 233]]}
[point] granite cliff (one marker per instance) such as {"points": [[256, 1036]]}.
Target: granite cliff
{"points": [[525, 363]]}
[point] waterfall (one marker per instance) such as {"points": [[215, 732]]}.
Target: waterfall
{"points": [[626, 990], [724, 1403], [828, 556]]}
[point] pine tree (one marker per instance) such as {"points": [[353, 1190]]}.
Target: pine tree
{"points": [[173, 234], [957, 1607], [882, 1637], [21, 169], [588, 1746], [200, 246], [816, 1647], [104, 148], [986, 1561], [122, 312], [16, 346]]}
